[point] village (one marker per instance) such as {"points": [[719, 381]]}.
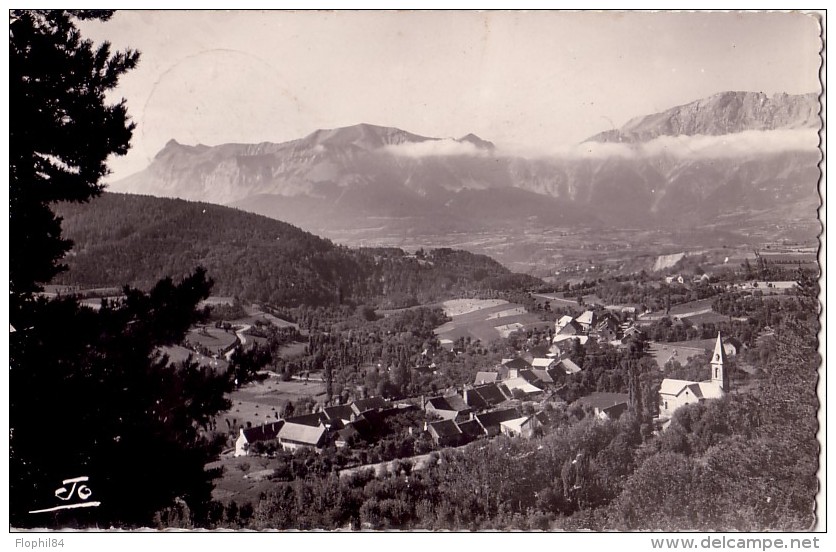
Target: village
{"points": [[517, 367], [525, 396]]}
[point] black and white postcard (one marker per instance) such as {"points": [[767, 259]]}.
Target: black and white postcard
{"points": [[416, 271]]}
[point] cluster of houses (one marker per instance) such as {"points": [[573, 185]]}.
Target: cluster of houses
{"points": [[507, 421], [480, 410], [683, 278], [489, 406], [604, 328], [361, 419], [486, 408], [462, 424]]}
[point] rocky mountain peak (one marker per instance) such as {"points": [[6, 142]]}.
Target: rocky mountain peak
{"points": [[478, 142], [723, 113], [365, 136]]}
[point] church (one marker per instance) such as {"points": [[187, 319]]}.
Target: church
{"points": [[675, 393]]}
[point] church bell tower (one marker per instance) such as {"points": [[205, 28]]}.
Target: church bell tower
{"points": [[719, 372]]}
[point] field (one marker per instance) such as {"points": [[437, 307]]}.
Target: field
{"points": [[710, 317], [680, 352], [697, 312], [483, 319], [214, 339], [458, 307], [256, 315], [556, 300], [692, 308], [706, 344], [258, 401]]}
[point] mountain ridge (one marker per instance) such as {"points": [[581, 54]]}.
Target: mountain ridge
{"points": [[719, 114], [368, 176]]}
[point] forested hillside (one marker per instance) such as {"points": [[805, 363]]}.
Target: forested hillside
{"points": [[128, 239]]}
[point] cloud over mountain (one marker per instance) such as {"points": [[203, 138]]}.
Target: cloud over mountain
{"points": [[435, 148], [726, 146]]}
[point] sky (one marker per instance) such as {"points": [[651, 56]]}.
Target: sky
{"points": [[527, 81]]}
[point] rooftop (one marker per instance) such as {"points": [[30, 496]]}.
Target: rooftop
{"points": [[339, 412], [602, 401], [449, 402], [497, 417], [445, 428], [485, 377], [312, 420], [300, 433], [264, 432]]}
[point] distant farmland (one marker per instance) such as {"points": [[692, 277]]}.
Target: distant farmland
{"points": [[484, 320], [697, 312], [791, 258]]}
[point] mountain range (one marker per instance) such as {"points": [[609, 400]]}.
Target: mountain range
{"points": [[735, 159]]}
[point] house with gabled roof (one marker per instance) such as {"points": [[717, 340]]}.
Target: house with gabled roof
{"points": [[537, 377], [293, 436], [341, 413], [631, 332], [606, 406], [490, 421], [529, 376], [568, 366], [372, 403], [544, 376], [471, 429], [587, 320], [562, 322], [566, 343], [572, 330], [315, 419], [732, 346], [606, 329], [445, 433], [485, 377], [543, 363], [520, 384], [486, 396], [449, 407], [368, 427], [520, 427], [250, 435], [510, 368]]}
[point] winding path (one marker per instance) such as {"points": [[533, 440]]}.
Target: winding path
{"points": [[242, 339]]}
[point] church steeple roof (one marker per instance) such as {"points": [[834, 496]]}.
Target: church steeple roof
{"points": [[719, 356]]}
